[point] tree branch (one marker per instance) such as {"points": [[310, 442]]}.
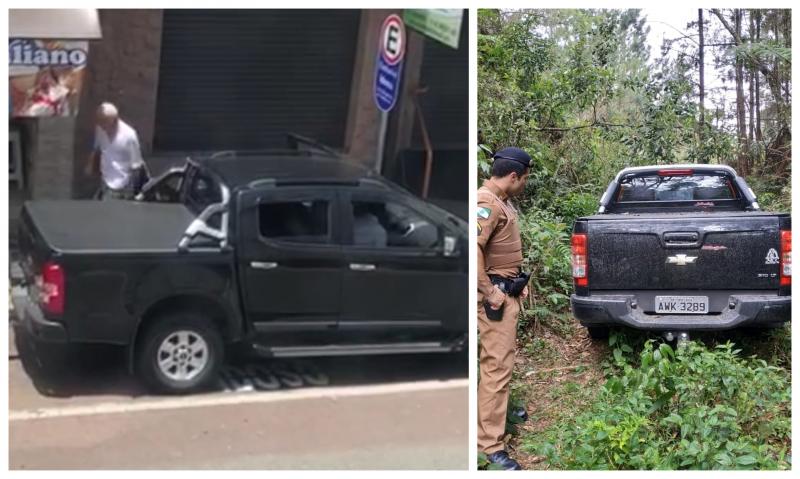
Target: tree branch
{"points": [[588, 125], [764, 69], [727, 25]]}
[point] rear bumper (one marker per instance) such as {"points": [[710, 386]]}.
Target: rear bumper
{"points": [[749, 310], [30, 316]]}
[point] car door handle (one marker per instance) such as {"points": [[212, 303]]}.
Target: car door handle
{"points": [[263, 264], [362, 267]]}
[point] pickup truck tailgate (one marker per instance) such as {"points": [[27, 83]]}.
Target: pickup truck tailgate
{"points": [[684, 251], [33, 249]]}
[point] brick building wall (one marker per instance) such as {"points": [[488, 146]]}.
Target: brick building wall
{"points": [[52, 168]]}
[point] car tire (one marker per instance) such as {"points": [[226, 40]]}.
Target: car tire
{"points": [[179, 353], [598, 332]]}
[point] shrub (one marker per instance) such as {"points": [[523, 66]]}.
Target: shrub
{"points": [[690, 408]]}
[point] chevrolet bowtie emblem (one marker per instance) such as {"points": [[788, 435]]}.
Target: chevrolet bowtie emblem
{"points": [[681, 259]]}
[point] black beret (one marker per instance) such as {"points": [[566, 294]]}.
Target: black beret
{"points": [[514, 154]]}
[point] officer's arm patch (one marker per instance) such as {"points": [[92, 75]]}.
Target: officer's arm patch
{"points": [[484, 212]]}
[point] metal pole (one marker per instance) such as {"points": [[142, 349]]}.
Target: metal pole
{"points": [[426, 140], [381, 141]]}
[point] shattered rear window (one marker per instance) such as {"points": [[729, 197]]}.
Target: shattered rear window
{"points": [[655, 188]]}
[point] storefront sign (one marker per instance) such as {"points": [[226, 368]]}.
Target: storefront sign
{"points": [[441, 24], [45, 76], [391, 50]]}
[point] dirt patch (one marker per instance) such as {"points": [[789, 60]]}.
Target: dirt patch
{"points": [[554, 373]]}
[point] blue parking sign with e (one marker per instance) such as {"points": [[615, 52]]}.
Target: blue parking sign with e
{"points": [[389, 65], [387, 84]]}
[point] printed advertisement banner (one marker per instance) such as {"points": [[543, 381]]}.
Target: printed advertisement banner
{"points": [[45, 76], [441, 24]]}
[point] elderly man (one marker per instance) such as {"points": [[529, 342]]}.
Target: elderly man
{"points": [[116, 147]]}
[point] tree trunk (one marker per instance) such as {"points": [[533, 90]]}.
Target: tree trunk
{"points": [[778, 150], [775, 81], [759, 132], [741, 122], [702, 71], [751, 73], [787, 40]]}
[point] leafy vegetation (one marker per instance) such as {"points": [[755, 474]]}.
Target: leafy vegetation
{"points": [[581, 91], [690, 408]]}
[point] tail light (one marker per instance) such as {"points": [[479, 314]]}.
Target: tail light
{"points": [[786, 258], [580, 263], [51, 288]]}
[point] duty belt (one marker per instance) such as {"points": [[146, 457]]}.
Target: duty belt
{"points": [[511, 286]]}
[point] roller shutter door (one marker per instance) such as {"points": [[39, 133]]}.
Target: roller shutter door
{"points": [[446, 104], [242, 79]]}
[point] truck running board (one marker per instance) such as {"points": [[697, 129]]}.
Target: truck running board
{"points": [[354, 349]]}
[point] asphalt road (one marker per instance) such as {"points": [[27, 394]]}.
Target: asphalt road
{"points": [[77, 408]]}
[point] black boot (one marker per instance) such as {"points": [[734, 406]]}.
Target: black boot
{"points": [[501, 459], [519, 413]]}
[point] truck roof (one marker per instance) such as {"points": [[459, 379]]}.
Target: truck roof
{"points": [[241, 171]]}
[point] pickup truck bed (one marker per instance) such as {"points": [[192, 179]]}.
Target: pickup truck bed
{"points": [[109, 226]]}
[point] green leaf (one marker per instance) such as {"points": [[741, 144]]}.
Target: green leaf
{"points": [[746, 460], [723, 459], [674, 418], [666, 350], [618, 355], [693, 449]]}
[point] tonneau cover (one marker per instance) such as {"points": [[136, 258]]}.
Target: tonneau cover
{"points": [[84, 226]]}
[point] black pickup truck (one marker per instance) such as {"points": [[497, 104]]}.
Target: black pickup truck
{"points": [[681, 248], [279, 256]]}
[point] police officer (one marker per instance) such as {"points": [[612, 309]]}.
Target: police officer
{"points": [[499, 260]]}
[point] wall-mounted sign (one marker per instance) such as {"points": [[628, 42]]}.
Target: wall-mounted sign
{"points": [[391, 50], [441, 24], [45, 76]]}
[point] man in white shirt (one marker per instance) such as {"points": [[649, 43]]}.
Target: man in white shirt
{"points": [[116, 147]]}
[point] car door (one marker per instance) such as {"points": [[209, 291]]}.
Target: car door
{"points": [[290, 259], [397, 277]]}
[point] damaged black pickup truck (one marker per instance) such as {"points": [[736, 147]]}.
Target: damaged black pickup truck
{"points": [[681, 248], [278, 256]]}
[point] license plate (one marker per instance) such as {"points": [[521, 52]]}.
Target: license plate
{"points": [[682, 304]]}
